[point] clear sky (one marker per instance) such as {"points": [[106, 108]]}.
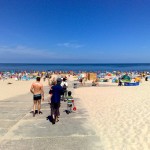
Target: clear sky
{"points": [[72, 31]]}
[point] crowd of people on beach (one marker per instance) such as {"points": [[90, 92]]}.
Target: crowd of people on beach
{"points": [[27, 75], [82, 77]]}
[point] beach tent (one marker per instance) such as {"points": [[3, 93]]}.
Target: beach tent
{"points": [[125, 78], [109, 74], [25, 78], [115, 80], [101, 75], [135, 76]]}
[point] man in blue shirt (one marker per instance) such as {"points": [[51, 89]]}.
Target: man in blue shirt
{"points": [[56, 92]]}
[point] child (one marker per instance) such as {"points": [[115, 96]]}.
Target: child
{"points": [[70, 102]]}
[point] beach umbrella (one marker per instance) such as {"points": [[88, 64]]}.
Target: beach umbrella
{"points": [[107, 77], [35, 74], [137, 79], [125, 78], [115, 80], [101, 75], [109, 74]]}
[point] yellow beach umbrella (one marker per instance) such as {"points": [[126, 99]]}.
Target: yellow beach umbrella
{"points": [[137, 79]]}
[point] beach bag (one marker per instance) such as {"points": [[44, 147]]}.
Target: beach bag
{"points": [[74, 108], [64, 87], [80, 80]]}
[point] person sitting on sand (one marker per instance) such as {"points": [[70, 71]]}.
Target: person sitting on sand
{"points": [[38, 94], [95, 82]]}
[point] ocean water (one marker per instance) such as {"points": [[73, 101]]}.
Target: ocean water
{"points": [[18, 67]]}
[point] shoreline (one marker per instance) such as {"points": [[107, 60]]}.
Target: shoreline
{"points": [[76, 67]]}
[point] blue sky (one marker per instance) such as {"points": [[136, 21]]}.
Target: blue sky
{"points": [[72, 31]]}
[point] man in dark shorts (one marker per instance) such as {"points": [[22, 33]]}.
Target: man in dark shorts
{"points": [[56, 92], [38, 94]]}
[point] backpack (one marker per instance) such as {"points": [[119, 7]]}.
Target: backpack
{"points": [[64, 87]]}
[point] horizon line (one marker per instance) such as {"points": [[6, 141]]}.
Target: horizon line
{"points": [[71, 63]]}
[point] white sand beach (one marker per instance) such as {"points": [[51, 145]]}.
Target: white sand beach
{"points": [[16, 88], [120, 115]]}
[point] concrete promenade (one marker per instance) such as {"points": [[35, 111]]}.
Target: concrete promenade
{"points": [[19, 130]]}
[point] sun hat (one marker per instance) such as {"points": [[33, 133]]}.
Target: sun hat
{"points": [[59, 80]]}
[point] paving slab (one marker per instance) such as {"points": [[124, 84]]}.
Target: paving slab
{"points": [[19, 130], [11, 116], [43, 128], [7, 123], [56, 143], [3, 131]]}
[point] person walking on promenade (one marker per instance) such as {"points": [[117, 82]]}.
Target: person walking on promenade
{"points": [[64, 85], [38, 94], [70, 102], [56, 92], [52, 84]]}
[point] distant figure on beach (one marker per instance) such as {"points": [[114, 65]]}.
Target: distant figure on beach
{"points": [[56, 92], [146, 78], [84, 79], [38, 94], [81, 81], [49, 81], [52, 82], [95, 82], [119, 82]]}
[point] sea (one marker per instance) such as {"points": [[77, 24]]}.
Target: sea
{"points": [[88, 67]]}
